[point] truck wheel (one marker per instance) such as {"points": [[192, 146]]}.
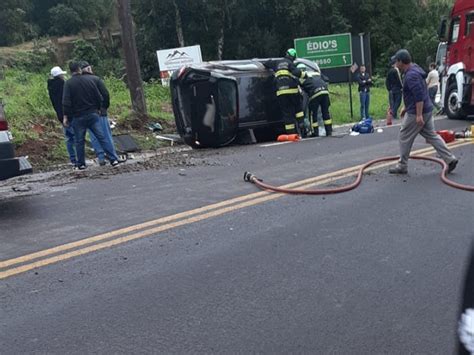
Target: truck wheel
{"points": [[451, 103]]}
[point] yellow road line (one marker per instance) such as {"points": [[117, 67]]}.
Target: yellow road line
{"points": [[256, 199]]}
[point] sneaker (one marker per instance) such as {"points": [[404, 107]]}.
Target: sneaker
{"points": [[80, 167], [452, 165], [115, 163], [398, 169], [102, 162]]}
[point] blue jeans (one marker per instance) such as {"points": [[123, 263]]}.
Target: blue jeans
{"points": [[395, 98], [364, 104], [104, 121], [71, 148], [69, 138], [90, 121]]}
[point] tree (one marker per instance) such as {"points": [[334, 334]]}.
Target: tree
{"points": [[132, 64], [14, 27]]}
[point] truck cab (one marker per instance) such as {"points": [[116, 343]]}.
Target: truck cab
{"points": [[457, 80]]}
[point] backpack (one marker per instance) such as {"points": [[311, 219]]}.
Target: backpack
{"points": [[363, 127]]}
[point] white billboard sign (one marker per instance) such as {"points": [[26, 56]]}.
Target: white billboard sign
{"points": [[174, 58]]}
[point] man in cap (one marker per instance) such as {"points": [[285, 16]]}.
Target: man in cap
{"points": [[287, 91], [87, 72], [82, 102], [55, 91], [417, 115]]}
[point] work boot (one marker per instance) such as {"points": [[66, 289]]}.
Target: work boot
{"points": [[315, 132], [328, 128], [398, 169], [452, 165]]}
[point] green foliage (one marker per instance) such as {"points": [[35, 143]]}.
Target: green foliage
{"points": [[13, 25], [85, 50], [64, 20]]}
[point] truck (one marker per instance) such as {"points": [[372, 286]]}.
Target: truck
{"points": [[10, 165], [457, 77]]}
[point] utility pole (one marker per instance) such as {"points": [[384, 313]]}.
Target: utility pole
{"points": [[132, 64]]}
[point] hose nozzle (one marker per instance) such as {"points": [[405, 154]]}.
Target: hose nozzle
{"points": [[248, 176]]}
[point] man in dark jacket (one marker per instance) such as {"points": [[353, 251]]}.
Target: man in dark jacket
{"points": [[417, 115], [394, 85], [55, 90], [82, 102], [318, 96], [365, 82], [86, 69], [287, 91]]}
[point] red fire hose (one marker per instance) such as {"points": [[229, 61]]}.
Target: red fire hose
{"points": [[249, 177]]}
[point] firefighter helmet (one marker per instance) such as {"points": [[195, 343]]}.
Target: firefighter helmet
{"points": [[301, 67], [291, 53]]}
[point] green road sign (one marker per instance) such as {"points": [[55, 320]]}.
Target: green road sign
{"points": [[330, 51]]}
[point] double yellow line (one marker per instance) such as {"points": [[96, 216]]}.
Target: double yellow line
{"points": [[67, 251]]}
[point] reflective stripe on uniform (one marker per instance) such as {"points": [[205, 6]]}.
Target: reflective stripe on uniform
{"points": [[300, 114], [315, 125], [322, 92], [283, 72], [289, 126], [328, 121], [287, 91]]}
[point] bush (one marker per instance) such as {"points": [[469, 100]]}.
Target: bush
{"points": [[64, 20]]}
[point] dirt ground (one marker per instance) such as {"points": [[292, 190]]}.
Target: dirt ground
{"points": [[63, 175]]}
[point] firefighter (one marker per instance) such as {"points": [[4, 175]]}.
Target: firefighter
{"points": [[287, 91], [316, 87]]}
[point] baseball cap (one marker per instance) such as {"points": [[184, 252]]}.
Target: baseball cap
{"points": [[56, 71], [84, 64], [403, 56]]}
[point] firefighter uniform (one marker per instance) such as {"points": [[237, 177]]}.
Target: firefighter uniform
{"points": [[287, 91], [318, 96]]}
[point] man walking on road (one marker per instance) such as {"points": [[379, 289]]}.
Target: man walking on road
{"points": [[81, 103], [417, 115]]}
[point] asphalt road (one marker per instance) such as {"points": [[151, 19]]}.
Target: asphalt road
{"points": [[197, 260]]}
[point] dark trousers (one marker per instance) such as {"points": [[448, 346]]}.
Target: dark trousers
{"points": [[395, 99], [291, 107], [323, 102]]}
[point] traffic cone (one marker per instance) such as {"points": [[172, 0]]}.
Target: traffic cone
{"points": [[389, 117], [288, 138]]}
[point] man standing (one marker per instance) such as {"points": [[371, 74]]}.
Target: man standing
{"points": [[287, 91], [432, 81], [81, 103], [394, 86], [86, 69], [417, 115], [365, 82], [55, 91]]}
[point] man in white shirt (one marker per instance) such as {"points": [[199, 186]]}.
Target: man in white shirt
{"points": [[432, 81]]}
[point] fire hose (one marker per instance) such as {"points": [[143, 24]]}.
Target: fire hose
{"points": [[249, 177]]}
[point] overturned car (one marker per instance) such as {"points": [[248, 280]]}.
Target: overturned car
{"points": [[215, 102]]}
